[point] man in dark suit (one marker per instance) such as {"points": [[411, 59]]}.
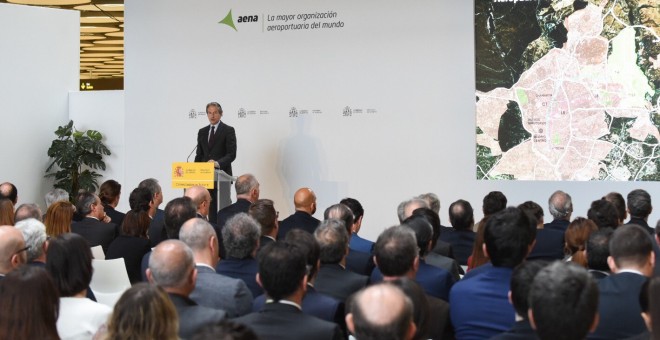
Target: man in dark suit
{"points": [[597, 251], [213, 290], [247, 192], [549, 243], [172, 267], [560, 206], [304, 201], [631, 262], [201, 198], [406, 208], [461, 236], [356, 261], [263, 211], [381, 311], [333, 278], [282, 273], [93, 226], [639, 207], [240, 237], [157, 232], [357, 243], [216, 143]]}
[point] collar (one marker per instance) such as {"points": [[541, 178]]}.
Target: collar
{"points": [[285, 302], [630, 271], [270, 237], [199, 264], [216, 126], [92, 217]]}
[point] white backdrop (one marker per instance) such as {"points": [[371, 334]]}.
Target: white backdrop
{"points": [[404, 69], [38, 68]]}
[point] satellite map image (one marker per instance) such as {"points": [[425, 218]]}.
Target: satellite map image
{"points": [[567, 90]]}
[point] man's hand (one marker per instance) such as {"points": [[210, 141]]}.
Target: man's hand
{"points": [[215, 164]]}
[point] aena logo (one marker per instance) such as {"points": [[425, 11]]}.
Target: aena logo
{"points": [[229, 20]]}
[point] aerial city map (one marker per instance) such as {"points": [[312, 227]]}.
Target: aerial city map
{"points": [[568, 90]]}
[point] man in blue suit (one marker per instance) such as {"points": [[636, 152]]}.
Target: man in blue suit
{"points": [[357, 243], [356, 261], [560, 206], [479, 305], [241, 240]]}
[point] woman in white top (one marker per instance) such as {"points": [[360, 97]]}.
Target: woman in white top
{"points": [[69, 261]]}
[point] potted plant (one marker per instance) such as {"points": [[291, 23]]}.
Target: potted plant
{"points": [[76, 154]]}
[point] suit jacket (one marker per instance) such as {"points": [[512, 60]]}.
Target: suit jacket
{"points": [[96, 232], [435, 281], [221, 292], [192, 317], [282, 321], [264, 240], [359, 262], [443, 248], [223, 149], [479, 306], [640, 222], [618, 307], [298, 220], [549, 245], [314, 303], [243, 269], [521, 330], [446, 263], [440, 324], [116, 217], [240, 206], [461, 241], [360, 244], [335, 281], [597, 274], [132, 249], [157, 233], [560, 225]]}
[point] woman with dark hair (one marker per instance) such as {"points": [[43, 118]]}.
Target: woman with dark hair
{"points": [[576, 237], [133, 242], [30, 305], [143, 312], [109, 193], [58, 218], [69, 262]]}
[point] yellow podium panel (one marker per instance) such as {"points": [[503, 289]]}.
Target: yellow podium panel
{"points": [[186, 175]]}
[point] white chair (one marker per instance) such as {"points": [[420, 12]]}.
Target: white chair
{"points": [[109, 281], [97, 253]]}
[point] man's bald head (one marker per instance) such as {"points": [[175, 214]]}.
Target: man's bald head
{"points": [[200, 197], [12, 249], [9, 191], [172, 267], [305, 200], [381, 311]]}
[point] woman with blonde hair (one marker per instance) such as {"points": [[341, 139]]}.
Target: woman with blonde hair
{"points": [[58, 218], [576, 237]]}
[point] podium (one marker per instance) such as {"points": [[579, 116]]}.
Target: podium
{"points": [[223, 182], [188, 174]]}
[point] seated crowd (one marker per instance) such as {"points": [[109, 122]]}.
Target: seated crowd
{"points": [[254, 276]]}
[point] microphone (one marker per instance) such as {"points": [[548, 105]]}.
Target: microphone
{"points": [[191, 152]]}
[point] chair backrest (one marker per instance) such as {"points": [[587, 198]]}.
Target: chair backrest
{"points": [[98, 253], [109, 280]]}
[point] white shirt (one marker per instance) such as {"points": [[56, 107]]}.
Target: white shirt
{"points": [[80, 318]]}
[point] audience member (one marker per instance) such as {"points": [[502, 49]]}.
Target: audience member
{"points": [[604, 214], [560, 206], [421, 309], [639, 206], [172, 267], [9, 191], [644, 305], [263, 211], [406, 208], [156, 192], [381, 311], [631, 261], [6, 212], [201, 198], [304, 201], [619, 203], [69, 262], [144, 311], [30, 305], [109, 193], [576, 237], [12, 250], [92, 227], [27, 210], [241, 240], [598, 250], [356, 261], [58, 218], [563, 302], [333, 278], [213, 290], [357, 243], [247, 192], [225, 330], [282, 273], [432, 200], [36, 240], [549, 243], [55, 195], [440, 253], [508, 238], [493, 202], [461, 236]]}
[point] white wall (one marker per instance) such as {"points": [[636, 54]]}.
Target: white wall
{"points": [[38, 67], [412, 62]]}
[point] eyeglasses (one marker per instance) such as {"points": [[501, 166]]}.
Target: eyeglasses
{"points": [[20, 251]]}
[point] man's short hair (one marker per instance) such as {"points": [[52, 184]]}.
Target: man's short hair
{"points": [[307, 243], [152, 185], [560, 205], [532, 209], [639, 203], [196, 234], [177, 212], [245, 183], [381, 311], [604, 214], [109, 191], [9, 191], [263, 211], [423, 231], [170, 263], [564, 301], [433, 219], [461, 215], [619, 203], [84, 202], [216, 104], [355, 207], [240, 236], [401, 208], [27, 210], [340, 212], [433, 201], [598, 249], [282, 266], [333, 240], [630, 245], [55, 195], [34, 234], [508, 235], [521, 283], [395, 251], [493, 202]]}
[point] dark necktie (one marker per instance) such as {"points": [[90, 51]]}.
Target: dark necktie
{"points": [[212, 136]]}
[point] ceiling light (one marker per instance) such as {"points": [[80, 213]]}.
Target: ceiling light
{"points": [[91, 37], [95, 59], [100, 20], [97, 29], [104, 48], [115, 62], [105, 7], [115, 34], [49, 2], [86, 45], [100, 55], [110, 42]]}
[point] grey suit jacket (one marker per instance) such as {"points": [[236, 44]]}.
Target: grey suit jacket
{"points": [[217, 291], [192, 317]]}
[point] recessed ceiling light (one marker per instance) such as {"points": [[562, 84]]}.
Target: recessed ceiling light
{"points": [[97, 29], [110, 42], [91, 37], [50, 2], [86, 45], [116, 62], [119, 67], [105, 7], [99, 55], [94, 59], [100, 20], [115, 34], [104, 48]]}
